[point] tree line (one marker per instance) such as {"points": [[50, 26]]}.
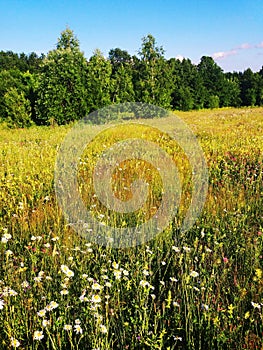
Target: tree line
{"points": [[64, 86]]}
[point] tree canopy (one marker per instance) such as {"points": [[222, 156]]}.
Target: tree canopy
{"points": [[65, 86]]}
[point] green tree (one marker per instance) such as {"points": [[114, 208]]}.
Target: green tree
{"points": [[153, 80], [248, 85], [99, 82], [18, 109], [122, 76], [61, 87]]}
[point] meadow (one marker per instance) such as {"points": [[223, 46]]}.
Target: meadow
{"points": [[202, 289]]}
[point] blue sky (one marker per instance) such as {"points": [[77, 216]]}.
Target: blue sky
{"points": [[231, 31]]}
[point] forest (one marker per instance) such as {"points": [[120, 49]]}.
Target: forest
{"points": [[63, 86]]}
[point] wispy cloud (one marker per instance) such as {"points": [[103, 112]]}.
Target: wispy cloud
{"points": [[245, 46], [180, 57], [223, 54]]}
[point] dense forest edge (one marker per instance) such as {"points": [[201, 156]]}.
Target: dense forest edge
{"points": [[63, 86]]}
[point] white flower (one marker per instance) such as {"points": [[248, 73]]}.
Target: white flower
{"points": [[41, 313], [6, 237], [12, 292], [67, 327], [176, 249], [64, 292], [178, 338], [38, 335], [256, 305], [144, 284], [78, 329], [45, 323], [194, 274], [15, 343], [103, 329], [9, 252], [53, 305], [54, 239], [33, 238], [77, 321], [115, 265], [145, 272], [108, 284], [186, 249], [2, 303], [25, 284], [125, 273], [173, 279], [117, 274], [96, 286], [96, 298]]}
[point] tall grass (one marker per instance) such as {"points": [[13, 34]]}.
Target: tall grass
{"points": [[198, 290]]}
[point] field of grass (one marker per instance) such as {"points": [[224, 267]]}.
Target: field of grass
{"points": [[199, 290]]}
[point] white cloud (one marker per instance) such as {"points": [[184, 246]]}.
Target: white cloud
{"points": [[223, 54], [180, 57]]}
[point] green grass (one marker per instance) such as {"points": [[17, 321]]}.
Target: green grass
{"points": [[198, 290]]}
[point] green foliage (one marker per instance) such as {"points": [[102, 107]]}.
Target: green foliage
{"points": [[61, 88], [18, 109], [98, 80], [64, 86]]}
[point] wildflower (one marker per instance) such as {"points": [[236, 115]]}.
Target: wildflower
{"points": [[47, 245], [6, 237], [173, 279], [78, 329], [117, 274], [15, 343], [96, 286], [77, 321], [256, 305], [9, 252], [175, 303], [33, 238], [96, 298], [162, 283], [103, 329], [163, 263], [186, 249], [45, 323], [108, 284], [125, 273], [247, 314], [178, 338], [2, 303], [25, 284], [38, 279], [204, 306], [38, 335], [194, 274], [41, 313], [54, 239], [145, 272], [67, 271], [225, 259], [53, 305], [176, 249], [12, 292], [67, 327], [144, 284], [115, 265], [64, 292]]}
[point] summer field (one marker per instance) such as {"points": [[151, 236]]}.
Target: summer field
{"points": [[198, 290]]}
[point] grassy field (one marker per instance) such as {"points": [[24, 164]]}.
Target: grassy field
{"points": [[198, 290]]}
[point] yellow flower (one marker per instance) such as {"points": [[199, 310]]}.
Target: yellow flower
{"points": [[247, 314]]}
